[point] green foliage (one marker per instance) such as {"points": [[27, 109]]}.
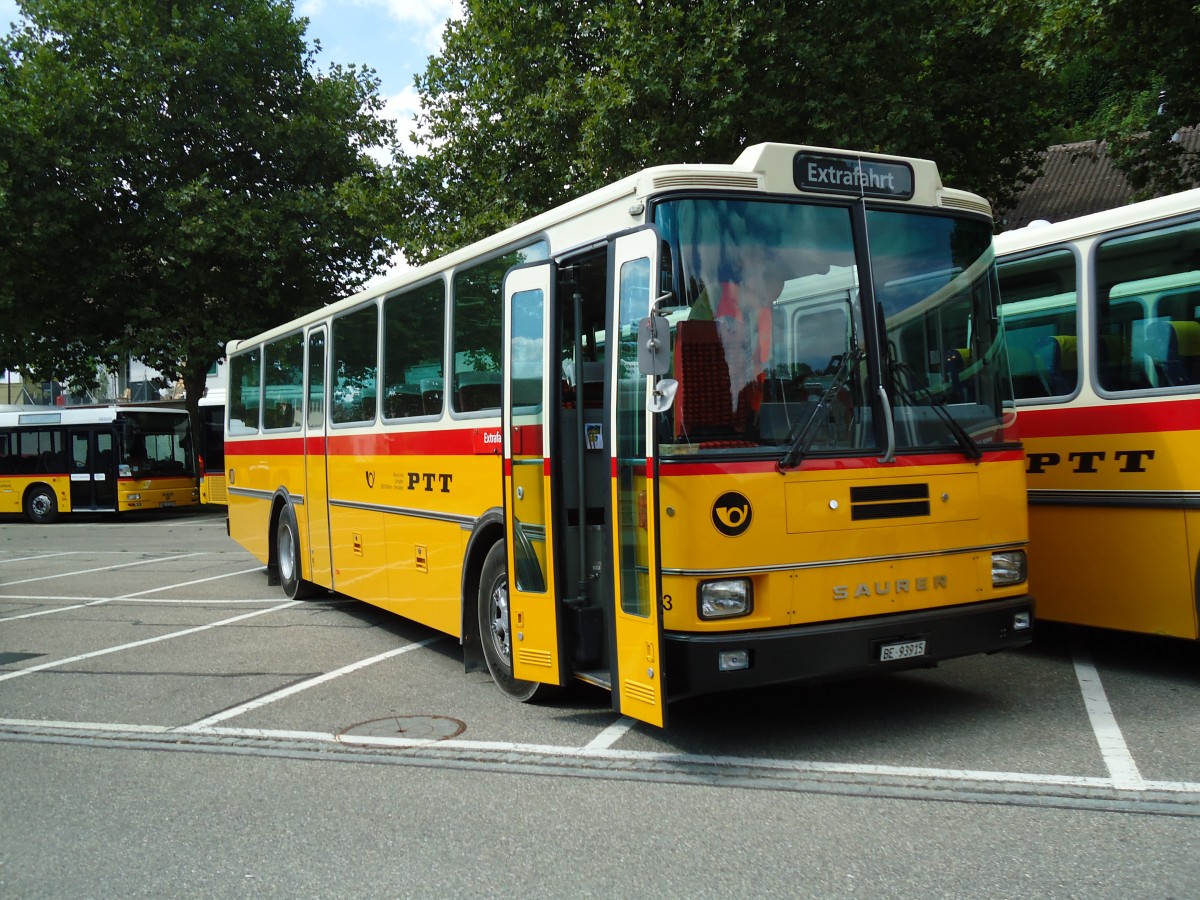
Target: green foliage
{"points": [[174, 175], [1134, 65], [535, 101]]}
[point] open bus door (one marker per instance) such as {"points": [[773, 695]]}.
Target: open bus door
{"points": [[637, 677], [316, 469], [529, 523], [94, 468]]}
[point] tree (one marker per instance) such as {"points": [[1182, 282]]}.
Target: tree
{"points": [[174, 175], [533, 102], [1138, 58]]}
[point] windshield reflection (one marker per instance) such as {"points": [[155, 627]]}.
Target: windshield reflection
{"points": [[769, 346]]}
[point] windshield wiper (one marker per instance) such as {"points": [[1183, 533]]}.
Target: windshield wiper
{"points": [[808, 431], [915, 388]]}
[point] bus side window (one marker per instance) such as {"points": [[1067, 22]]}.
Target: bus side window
{"points": [[414, 334]]}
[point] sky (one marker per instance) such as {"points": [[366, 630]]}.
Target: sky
{"points": [[393, 37]]}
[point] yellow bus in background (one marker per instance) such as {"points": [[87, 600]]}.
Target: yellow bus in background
{"points": [[56, 460], [709, 427], [1102, 321]]}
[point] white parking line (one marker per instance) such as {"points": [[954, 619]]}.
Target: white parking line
{"points": [[157, 601], [130, 597], [1117, 758], [204, 724], [39, 556], [154, 640], [140, 562], [56, 609], [171, 587], [611, 734]]}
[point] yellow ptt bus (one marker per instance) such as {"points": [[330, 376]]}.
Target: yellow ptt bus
{"points": [[1102, 321], [708, 427], [56, 460]]}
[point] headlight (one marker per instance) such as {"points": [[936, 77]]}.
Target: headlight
{"points": [[1008, 567], [726, 598]]}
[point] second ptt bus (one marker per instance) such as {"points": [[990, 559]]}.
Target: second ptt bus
{"points": [[1102, 315]]}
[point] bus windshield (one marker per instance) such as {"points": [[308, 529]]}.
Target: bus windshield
{"points": [[935, 288], [155, 444], [772, 348]]}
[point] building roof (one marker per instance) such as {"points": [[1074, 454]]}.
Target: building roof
{"points": [[1078, 179]]}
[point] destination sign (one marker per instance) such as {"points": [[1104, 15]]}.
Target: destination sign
{"points": [[825, 174]]}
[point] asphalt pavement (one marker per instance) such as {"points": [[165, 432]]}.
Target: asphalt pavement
{"points": [[171, 724]]}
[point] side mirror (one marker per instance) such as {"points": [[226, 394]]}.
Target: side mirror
{"points": [[654, 345]]}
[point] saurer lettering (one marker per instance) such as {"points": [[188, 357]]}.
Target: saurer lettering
{"points": [[884, 588]]}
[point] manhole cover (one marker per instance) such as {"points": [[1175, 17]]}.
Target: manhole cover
{"points": [[409, 728]]}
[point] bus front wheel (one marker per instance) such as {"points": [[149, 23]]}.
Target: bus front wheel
{"points": [[41, 506], [495, 626]]}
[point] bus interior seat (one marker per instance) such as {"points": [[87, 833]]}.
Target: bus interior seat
{"points": [[704, 413], [478, 390], [431, 396], [53, 462], [1059, 359], [1174, 351], [283, 415], [1112, 360], [957, 359], [403, 403], [1023, 367]]}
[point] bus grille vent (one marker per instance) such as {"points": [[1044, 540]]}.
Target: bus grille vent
{"points": [[706, 180], [635, 690], [539, 658], [965, 203], [889, 501]]}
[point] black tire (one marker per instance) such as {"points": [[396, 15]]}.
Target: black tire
{"points": [[41, 506], [495, 630], [287, 557]]}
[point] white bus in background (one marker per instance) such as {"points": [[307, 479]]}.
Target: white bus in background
{"points": [[212, 436]]}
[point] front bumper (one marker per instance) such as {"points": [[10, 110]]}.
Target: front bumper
{"points": [[842, 649]]}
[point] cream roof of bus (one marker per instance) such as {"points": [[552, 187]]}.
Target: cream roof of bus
{"points": [[1043, 234], [11, 414], [764, 167]]}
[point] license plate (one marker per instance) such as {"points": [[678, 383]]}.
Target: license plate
{"points": [[902, 650], [167, 503]]}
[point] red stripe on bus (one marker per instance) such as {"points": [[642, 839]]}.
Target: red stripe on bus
{"points": [[1111, 418], [458, 442], [834, 465]]}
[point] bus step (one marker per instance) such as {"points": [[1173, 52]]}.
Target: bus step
{"points": [[598, 677]]}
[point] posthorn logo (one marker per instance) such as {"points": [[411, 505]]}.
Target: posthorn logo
{"points": [[731, 513]]}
